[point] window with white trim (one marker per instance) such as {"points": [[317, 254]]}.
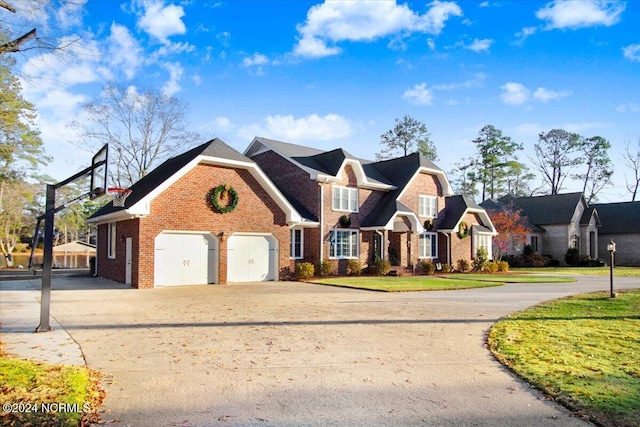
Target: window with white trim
{"points": [[428, 245], [482, 241], [345, 199], [343, 243], [111, 240], [296, 243], [427, 206]]}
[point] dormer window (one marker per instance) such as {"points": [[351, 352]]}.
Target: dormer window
{"points": [[345, 199], [427, 206]]}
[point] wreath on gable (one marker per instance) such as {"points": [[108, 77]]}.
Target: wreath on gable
{"points": [[463, 230], [224, 198], [428, 225]]}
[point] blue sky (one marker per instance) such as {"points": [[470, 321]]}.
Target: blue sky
{"points": [[338, 73]]}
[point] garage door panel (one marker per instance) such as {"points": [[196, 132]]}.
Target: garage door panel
{"points": [[185, 259], [249, 258]]}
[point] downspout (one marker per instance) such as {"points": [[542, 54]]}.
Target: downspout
{"points": [[448, 236], [324, 181], [382, 244]]}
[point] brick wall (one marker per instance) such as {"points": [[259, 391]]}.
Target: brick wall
{"points": [[186, 206], [427, 185]]}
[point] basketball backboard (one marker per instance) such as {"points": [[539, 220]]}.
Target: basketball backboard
{"points": [[99, 171]]}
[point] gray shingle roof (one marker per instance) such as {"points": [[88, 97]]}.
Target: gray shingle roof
{"points": [[619, 218], [214, 148], [496, 205], [454, 209], [548, 210]]}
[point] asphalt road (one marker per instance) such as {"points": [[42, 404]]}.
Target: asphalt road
{"points": [[296, 354]]}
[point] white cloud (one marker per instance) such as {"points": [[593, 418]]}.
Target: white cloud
{"points": [[70, 13], [61, 102], [480, 45], [336, 21], [172, 48], [514, 93], [583, 126], [172, 86], [312, 127], [579, 13], [160, 21], [477, 80], [544, 95], [632, 52], [256, 59], [431, 43], [418, 95], [124, 50], [629, 107]]}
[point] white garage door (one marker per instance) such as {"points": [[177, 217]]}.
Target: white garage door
{"points": [[185, 259], [251, 258]]}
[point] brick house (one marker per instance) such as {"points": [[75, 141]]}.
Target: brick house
{"points": [[169, 234], [294, 204], [401, 209], [557, 222]]}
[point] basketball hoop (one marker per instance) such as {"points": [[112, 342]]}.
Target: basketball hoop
{"points": [[119, 195]]}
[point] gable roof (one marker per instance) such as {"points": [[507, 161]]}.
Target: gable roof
{"points": [[548, 210], [456, 207], [619, 218], [214, 152], [392, 176], [498, 205]]}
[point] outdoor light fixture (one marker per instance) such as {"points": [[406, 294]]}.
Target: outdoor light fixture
{"points": [[611, 247]]}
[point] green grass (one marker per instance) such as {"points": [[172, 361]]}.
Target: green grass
{"points": [[582, 350], [33, 383], [515, 278], [589, 271], [434, 283]]}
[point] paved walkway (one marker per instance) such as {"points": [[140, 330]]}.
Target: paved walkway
{"points": [[287, 353]]}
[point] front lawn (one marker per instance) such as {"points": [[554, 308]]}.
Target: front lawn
{"points": [[434, 283], [577, 271], [70, 394], [582, 350]]}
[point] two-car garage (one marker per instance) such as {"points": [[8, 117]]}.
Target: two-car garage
{"points": [[189, 258]]}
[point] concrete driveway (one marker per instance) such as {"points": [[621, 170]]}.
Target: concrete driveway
{"points": [[295, 354]]}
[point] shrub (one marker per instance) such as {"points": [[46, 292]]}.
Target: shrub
{"points": [[481, 260], [381, 267], [572, 257], [354, 267], [503, 266], [326, 268], [462, 265], [427, 267], [535, 260], [552, 263], [446, 268], [528, 250], [492, 267], [305, 270]]}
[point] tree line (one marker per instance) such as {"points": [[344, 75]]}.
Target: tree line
{"points": [[495, 169]]}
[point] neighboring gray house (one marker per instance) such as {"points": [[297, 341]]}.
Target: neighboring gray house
{"points": [[620, 223], [566, 221]]}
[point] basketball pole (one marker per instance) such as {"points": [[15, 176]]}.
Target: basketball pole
{"points": [[47, 261], [49, 218]]}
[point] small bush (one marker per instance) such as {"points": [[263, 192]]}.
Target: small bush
{"points": [[326, 268], [427, 267], [492, 267], [528, 250], [304, 270], [446, 268], [552, 263], [535, 260], [381, 267], [481, 260], [503, 266], [354, 267], [462, 265], [572, 257]]}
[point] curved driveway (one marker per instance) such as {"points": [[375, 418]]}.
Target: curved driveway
{"points": [[296, 354]]}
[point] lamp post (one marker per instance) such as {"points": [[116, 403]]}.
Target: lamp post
{"points": [[611, 247]]}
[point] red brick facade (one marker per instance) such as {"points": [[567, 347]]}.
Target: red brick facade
{"points": [[185, 206]]}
